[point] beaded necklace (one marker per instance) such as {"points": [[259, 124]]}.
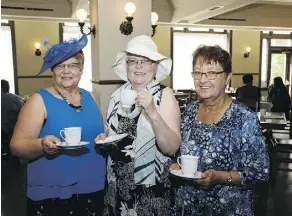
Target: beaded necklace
{"points": [[76, 108]]}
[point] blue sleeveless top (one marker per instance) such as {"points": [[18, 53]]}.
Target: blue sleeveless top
{"points": [[77, 171]]}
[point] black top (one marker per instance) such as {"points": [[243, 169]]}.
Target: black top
{"points": [[249, 95]]}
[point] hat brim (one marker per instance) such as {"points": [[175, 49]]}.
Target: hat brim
{"points": [[164, 63], [62, 54]]}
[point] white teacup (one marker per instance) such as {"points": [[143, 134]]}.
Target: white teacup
{"points": [[128, 98], [72, 135], [188, 164]]}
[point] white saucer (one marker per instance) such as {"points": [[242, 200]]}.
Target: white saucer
{"points": [[112, 139], [67, 146], [178, 172]]}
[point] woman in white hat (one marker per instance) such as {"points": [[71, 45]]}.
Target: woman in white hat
{"points": [[138, 168]]}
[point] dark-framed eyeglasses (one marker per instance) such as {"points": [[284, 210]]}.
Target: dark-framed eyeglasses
{"points": [[211, 75], [71, 67], [134, 62]]}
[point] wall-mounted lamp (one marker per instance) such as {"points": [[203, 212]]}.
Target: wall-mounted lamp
{"points": [[37, 46], [246, 54], [154, 19], [81, 14], [126, 27]]}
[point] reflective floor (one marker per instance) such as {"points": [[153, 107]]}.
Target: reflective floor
{"points": [[13, 195], [280, 197]]}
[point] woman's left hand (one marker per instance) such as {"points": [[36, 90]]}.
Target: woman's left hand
{"points": [[210, 178], [145, 101]]}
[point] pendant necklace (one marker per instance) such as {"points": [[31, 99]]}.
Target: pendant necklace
{"points": [[76, 108]]}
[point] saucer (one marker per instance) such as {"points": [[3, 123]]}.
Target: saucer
{"points": [[178, 173], [112, 139], [75, 146]]}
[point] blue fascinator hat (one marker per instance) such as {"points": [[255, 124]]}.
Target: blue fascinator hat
{"points": [[59, 53]]}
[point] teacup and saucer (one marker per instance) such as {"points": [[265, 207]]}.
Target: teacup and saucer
{"points": [[72, 137]]}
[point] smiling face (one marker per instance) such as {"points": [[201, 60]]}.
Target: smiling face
{"points": [[140, 71], [68, 73], [210, 88]]}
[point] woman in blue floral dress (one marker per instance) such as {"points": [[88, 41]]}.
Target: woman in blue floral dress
{"points": [[227, 137]]}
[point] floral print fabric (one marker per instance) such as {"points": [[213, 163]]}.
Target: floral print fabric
{"points": [[124, 197], [233, 143]]}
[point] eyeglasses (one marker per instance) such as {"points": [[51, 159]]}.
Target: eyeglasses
{"points": [[71, 67], [211, 75], [134, 62]]}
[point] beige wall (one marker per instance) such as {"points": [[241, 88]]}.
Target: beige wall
{"points": [[27, 33], [28, 64], [31, 85], [241, 40], [162, 38]]}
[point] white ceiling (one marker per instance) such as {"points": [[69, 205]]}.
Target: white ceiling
{"points": [[283, 2], [194, 11], [256, 15], [169, 11]]}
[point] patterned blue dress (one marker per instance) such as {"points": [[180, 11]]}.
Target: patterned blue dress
{"points": [[233, 143]]}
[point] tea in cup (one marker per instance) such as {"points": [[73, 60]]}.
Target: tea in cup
{"points": [[188, 164], [128, 98], [72, 135]]}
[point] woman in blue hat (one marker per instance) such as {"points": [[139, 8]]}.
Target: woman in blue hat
{"points": [[61, 181]]}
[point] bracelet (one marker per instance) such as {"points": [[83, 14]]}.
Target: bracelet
{"points": [[229, 177]]}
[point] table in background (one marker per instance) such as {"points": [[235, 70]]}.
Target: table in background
{"points": [[273, 120]]}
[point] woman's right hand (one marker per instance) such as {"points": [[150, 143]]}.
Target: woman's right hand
{"points": [[49, 144], [100, 136]]}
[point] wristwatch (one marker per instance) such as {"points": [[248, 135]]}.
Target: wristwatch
{"points": [[229, 177]]}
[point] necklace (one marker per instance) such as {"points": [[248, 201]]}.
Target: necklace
{"points": [[77, 108]]}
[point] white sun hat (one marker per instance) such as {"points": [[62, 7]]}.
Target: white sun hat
{"points": [[143, 46]]}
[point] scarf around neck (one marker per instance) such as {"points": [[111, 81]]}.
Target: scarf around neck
{"points": [[148, 161]]}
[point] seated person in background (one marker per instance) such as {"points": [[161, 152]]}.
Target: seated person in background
{"points": [[248, 94], [279, 96], [11, 105]]}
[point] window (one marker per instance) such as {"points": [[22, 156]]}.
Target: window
{"points": [[282, 32], [184, 44], [278, 66], [6, 55], [264, 73], [276, 57], [178, 28], [198, 29], [72, 30], [281, 42]]}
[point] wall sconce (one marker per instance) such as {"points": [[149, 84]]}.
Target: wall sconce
{"points": [[37, 46], [246, 54], [154, 19], [81, 14], [126, 27]]}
